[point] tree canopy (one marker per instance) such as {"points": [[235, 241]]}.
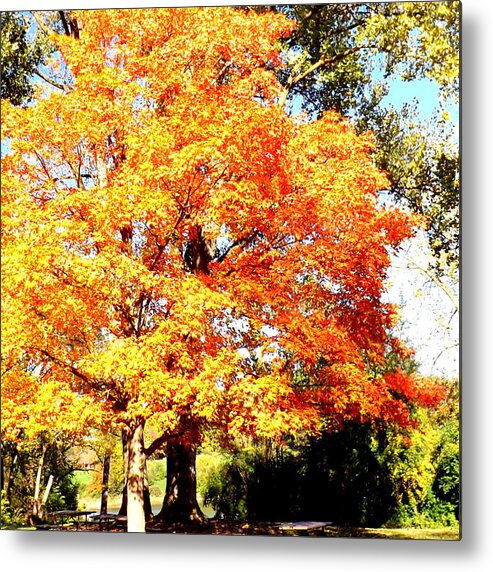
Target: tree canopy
{"points": [[344, 57]]}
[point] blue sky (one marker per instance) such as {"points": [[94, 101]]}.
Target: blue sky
{"points": [[426, 94], [426, 321], [423, 90]]}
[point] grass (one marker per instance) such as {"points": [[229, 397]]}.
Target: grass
{"points": [[396, 533]]}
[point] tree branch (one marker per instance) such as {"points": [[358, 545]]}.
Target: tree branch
{"points": [[156, 444], [241, 242], [52, 82], [41, 24], [161, 441], [442, 285], [67, 366], [323, 62], [64, 22]]}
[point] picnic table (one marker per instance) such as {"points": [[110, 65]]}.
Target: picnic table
{"points": [[303, 525], [60, 517], [109, 520]]}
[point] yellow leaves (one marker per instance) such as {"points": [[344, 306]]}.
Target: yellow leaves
{"points": [[266, 406], [36, 402], [163, 146], [207, 388]]}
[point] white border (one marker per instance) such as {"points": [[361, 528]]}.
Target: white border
{"points": [[58, 551]]}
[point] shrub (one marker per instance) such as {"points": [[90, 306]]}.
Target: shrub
{"points": [[225, 489], [10, 517], [155, 491]]}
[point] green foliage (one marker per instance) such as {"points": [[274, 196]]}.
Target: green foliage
{"points": [[21, 53], [325, 34], [10, 517], [446, 487], [63, 495], [422, 162], [447, 482], [358, 476], [156, 471], [207, 462], [431, 513], [426, 471], [417, 39], [225, 489], [336, 48], [21, 461]]}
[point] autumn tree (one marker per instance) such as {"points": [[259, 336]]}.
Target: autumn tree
{"points": [[179, 251]]}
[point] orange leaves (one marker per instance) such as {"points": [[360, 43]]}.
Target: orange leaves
{"points": [[181, 247], [423, 391], [267, 407]]}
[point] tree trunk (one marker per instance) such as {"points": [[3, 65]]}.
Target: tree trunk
{"points": [[10, 480], [147, 495], [135, 477], [46, 494], [180, 501], [106, 479], [37, 505], [123, 507]]}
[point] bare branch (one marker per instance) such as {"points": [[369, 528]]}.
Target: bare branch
{"points": [[440, 283], [52, 82]]}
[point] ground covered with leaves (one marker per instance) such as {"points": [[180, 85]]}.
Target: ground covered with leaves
{"points": [[238, 528], [242, 528]]}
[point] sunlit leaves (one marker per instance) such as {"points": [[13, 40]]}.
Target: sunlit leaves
{"points": [[177, 249]]}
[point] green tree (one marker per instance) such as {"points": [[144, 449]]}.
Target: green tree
{"points": [[38, 477], [344, 56], [22, 52], [336, 49], [25, 47]]}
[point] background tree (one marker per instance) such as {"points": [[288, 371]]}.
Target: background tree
{"points": [[22, 52], [344, 56]]}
